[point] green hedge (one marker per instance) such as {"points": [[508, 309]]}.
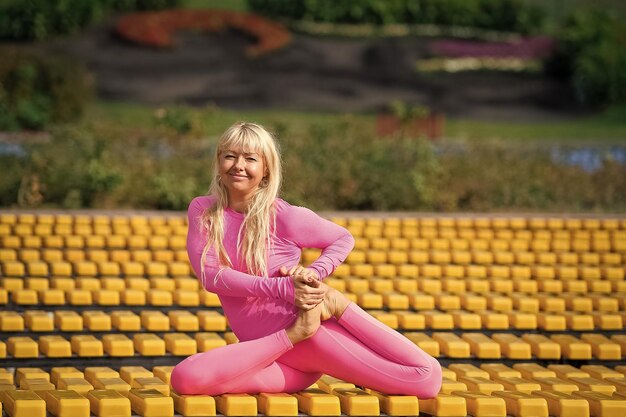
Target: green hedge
{"points": [[592, 51], [338, 166], [37, 89], [40, 19], [505, 15]]}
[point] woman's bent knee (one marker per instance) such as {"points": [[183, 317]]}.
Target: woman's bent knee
{"points": [[431, 385], [179, 382], [427, 383]]}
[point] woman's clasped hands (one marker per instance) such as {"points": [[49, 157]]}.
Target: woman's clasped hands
{"points": [[308, 289]]}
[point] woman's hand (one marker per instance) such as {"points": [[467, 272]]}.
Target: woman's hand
{"points": [[308, 292], [298, 270]]}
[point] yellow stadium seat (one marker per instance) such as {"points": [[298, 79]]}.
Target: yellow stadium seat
{"points": [[38, 321], [150, 402], [96, 321], [494, 320], [22, 347], [236, 404], [54, 346], [571, 347], [542, 347], [68, 321], [207, 341]]}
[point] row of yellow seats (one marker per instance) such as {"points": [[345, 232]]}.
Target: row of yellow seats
{"points": [[515, 223], [114, 297], [25, 229], [105, 392], [109, 345], [428, 233], [478, 257], [468, 345], [150, 268], [94, 255], [485, 234], [425, 297], [552, 222], [167, 241], [46, 230], [477, 286], [495, 320], [123, 320], [120, 320], [91, 219], [528, 346], [92, 269], [375, 238], [496, 245], [453, 372], [103, 283], [417, 265], [398, 293], [512, 245], [468, 271], [371, 256], [466, 389]]}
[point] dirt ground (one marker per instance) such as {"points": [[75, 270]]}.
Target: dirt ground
{"points": [[319, 74]]}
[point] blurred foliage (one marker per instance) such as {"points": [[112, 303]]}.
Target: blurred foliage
{"points": [[41, 19], [37, 89], [499, 175], [177, 118], [592, 51], [338, 165], [505, 15], [406, 112]]}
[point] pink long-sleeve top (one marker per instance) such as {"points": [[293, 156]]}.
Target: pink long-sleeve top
{"points": [[259, 306]]}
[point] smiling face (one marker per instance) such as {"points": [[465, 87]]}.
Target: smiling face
{"points": [[241, 171]]}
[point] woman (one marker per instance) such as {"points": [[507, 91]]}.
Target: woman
{"points": [[245, 244]]}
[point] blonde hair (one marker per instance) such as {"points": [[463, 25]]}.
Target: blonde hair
{"points": [[254, 236]]}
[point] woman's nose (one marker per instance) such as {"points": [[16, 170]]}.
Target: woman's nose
{"points": [[240, 163]]}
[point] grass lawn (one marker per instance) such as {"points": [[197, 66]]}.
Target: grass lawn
{"points": [[607, 127], [216, 4]]}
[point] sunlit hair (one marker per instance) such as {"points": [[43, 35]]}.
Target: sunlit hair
{"points": [[253, 238]]}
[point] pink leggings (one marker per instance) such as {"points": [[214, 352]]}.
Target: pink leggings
{"points": [[356, 348]]}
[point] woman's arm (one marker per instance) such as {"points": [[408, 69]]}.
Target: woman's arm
{"points": [[308, 230], [224, 280]]}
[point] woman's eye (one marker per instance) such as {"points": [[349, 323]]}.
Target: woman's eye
{"points": [[251, 159]]}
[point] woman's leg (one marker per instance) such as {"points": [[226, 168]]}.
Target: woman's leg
{"points": [[248, 366], [219, 370], [381, 338], [276, 377], [359, 349]]}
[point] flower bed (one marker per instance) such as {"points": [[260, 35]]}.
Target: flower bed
{"points": [[478, 64], [155, 29], [523, 54], [537, 47], [394, 30]]}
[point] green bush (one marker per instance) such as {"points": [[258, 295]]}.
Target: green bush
{"points": [[41, 19], [505, 15], [354, 170], [37, 89], [331, 166], [592, 52]]}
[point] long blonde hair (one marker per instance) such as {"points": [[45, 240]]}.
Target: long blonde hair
{"points": [[254, 236]]}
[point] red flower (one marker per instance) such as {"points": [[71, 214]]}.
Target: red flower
{"points": [[155, 29]]}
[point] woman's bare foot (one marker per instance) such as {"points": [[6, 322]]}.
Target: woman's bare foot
{"points": [[335, 303], [306, 324]]}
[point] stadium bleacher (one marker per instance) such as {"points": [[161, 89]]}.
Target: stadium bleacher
{"points": [[525, 313]]}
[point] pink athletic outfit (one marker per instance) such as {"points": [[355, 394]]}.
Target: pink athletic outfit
{"points": [[356, 348]]}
